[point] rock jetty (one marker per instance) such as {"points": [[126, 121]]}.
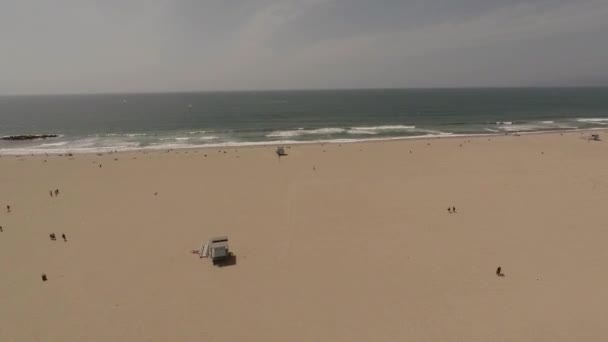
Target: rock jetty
{"points": [[29, 136]]}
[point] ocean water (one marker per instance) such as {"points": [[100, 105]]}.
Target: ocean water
{"points": [[98, 123]]}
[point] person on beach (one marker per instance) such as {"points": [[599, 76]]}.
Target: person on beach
{"points": [[8, 208], [52, 237], [453, 209], [450, 210], [1, 230], [56, 192], [499, 271], [65, 239], [51, 193]]}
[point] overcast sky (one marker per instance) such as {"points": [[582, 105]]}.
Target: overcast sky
{"points": [[81, 46]]}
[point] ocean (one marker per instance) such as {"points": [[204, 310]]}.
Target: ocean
{"points": [[120, 122]]}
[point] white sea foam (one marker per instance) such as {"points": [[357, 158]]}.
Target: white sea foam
{"points": [[283, 134], [372, 130], [106, 145], [361, 131], [71, 149], [600, 121], [433, 132], [136, 134], [301, 131], [123, 142], [385, 128], [519, 128], [62, 143], [367, 130], [535, 126], [323, 131]]}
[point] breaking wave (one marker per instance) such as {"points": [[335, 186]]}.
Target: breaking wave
{"points": [[597, 121], [108, 142], [301, 131]]}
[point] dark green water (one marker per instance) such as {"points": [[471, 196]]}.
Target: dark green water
{"points": [[131, 121]]}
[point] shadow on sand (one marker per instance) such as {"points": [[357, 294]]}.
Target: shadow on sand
{"points": [[229, 261]]}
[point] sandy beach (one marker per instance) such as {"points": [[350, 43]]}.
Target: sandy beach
{"points": [[333, 242]]}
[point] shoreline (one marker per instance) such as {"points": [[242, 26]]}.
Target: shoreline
{"points": [[170, 147]]}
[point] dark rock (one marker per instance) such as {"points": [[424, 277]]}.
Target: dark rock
{"points": [[29, 136]]}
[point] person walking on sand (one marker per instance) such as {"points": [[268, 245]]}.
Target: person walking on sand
{"points": [[1, 230], [8, 208], [453, 209], [56, 192], [65, 239], [51, 193], [450, 210]]}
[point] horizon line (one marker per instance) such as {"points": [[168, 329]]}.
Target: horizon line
{"points": [[299, 89]]}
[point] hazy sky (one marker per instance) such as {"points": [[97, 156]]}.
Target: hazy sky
{"points": [[76, 46]]}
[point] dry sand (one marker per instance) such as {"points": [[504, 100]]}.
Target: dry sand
{"points": [[360, 249]]}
